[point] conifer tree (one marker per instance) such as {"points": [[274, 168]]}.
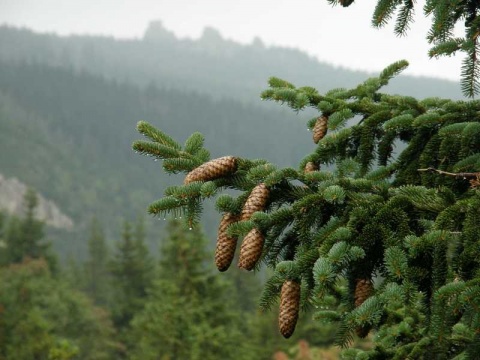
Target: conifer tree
{"points": [[190, 313], [24, 237], [131, 270], [96, 267], [41, 317], [377, 226]]}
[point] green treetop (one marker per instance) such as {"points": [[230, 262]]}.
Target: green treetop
{"points": [[24, 237], [190, 312], [96, 267], [131, 270], [42, 317]]}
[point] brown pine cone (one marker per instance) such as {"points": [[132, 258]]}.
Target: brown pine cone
{"points": [[289, 308], [212, 169], [226, 245], [256, 201], [363, 290], [311, 166], [251, 249], [362, 331], [320, 128]]}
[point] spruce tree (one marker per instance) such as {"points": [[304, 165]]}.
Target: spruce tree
{"points": [[190, 313], [42, 317], [131, 271], [377, 227], [24, 237], [96, 267]]}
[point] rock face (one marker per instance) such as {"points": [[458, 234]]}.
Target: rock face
{"points": [[12, 192], [156, 33]]}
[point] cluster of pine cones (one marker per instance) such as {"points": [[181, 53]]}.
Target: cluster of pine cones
{"points": [[252, 244]]}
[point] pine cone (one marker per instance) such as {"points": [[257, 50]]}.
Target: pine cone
{"points": [[362, 331], [320, 128], [289, 308], [256, 201], [212, 169], [311, 166], [251, 249], [363, 290], [226, 245]]}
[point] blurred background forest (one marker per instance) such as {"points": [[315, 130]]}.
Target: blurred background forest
{"points": [[85, 273]]}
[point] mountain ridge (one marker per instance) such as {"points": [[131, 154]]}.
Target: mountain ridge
{"points": [[210, 64]]}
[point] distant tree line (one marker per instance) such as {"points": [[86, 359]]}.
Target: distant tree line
{"points": [[122, 304]]}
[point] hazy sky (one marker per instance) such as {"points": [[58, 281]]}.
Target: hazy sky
{"points": [[342, 36]]}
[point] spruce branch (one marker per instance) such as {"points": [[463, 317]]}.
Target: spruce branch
{"points": [[333, 230], [156, 135], [383, 12], [404, 18], [445, 15]]}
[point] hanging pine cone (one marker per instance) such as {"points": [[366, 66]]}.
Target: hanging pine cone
{"points": [[320, 128], [311, 166], [212, 169], [363, 290], [256, 201], [289, 308], [251, 249], [226, 245]]}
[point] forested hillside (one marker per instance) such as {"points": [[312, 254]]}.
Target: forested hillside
{"points": [[69, 105], [69, 136], [210, 65]]}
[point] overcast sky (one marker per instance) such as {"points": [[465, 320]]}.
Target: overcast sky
{"points": [[341, 36]]}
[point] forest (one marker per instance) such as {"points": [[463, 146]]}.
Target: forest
{"points": [[121, 284]]}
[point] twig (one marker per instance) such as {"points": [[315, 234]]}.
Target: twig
{"points": [[464, 175], [474, 177]]}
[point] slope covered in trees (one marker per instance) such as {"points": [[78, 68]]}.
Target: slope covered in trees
{"points": [[68, 104], [68, 135], [210, 65]]}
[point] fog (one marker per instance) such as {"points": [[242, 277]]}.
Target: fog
{"points": [[340, 36]]}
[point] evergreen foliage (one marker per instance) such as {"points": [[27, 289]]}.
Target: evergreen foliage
{"points": [[189, 312], [445, 15], [132, 271], [42, 317], [96, 267], [24, 237], [384, 241]]}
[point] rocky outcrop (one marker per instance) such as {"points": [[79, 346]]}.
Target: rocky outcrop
{"points": [[12, 192], [156, 33]]}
